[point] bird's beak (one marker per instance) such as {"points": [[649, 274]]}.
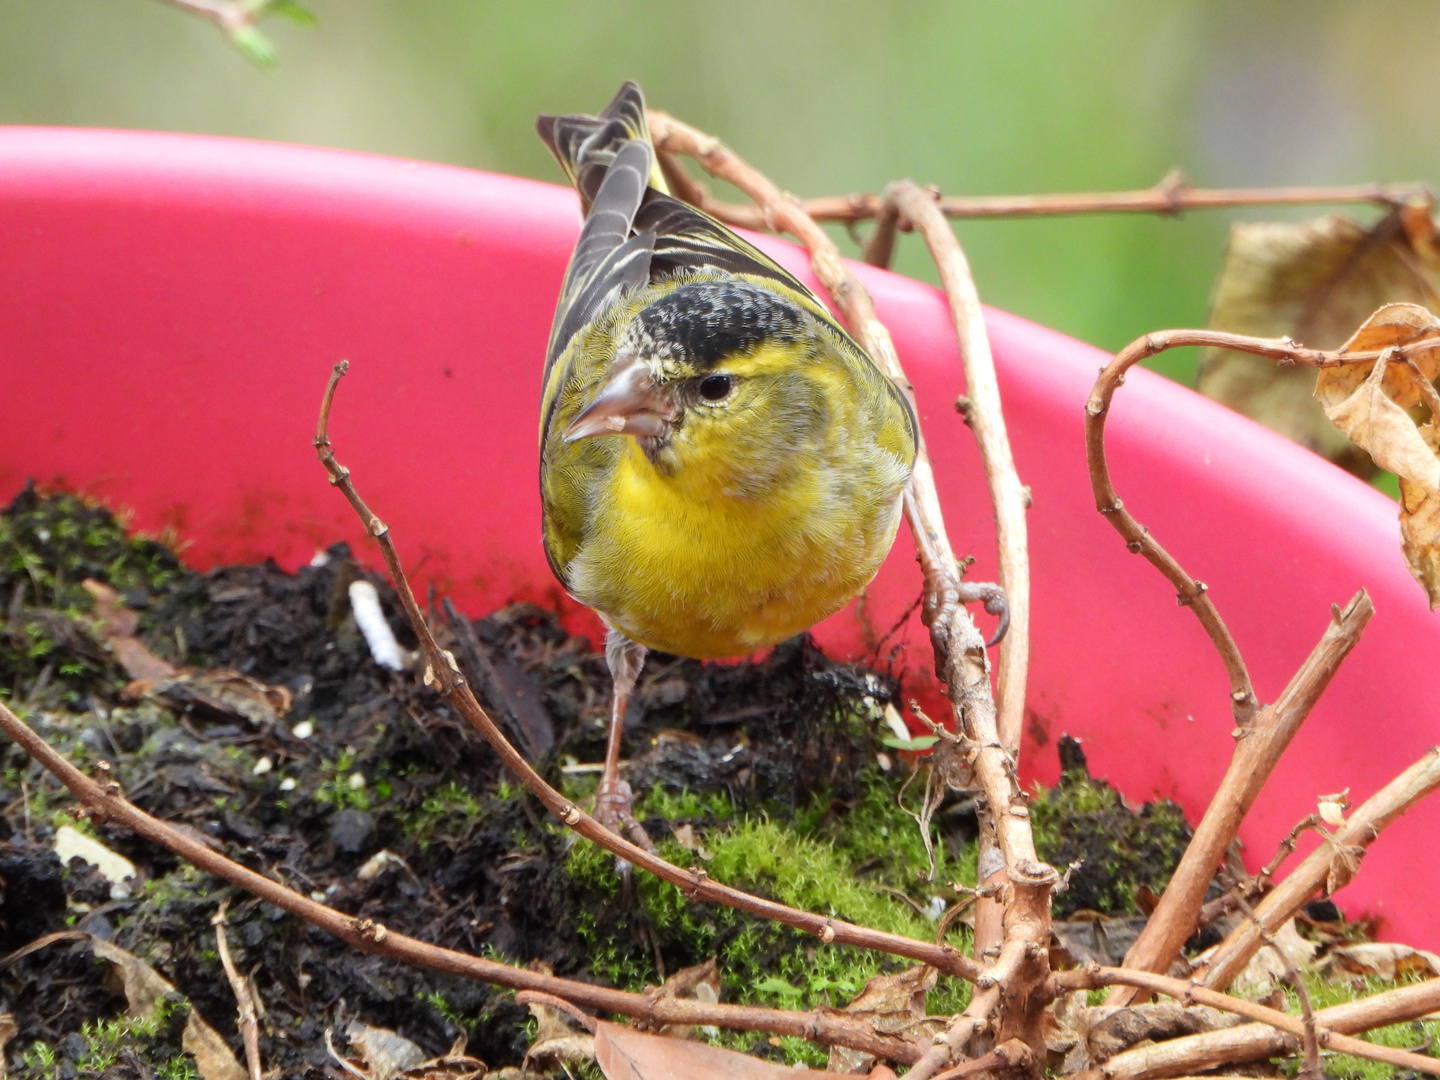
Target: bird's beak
{"points": [[630, 403]]}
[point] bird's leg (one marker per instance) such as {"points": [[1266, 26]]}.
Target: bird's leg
{"points": [[614, 802]]}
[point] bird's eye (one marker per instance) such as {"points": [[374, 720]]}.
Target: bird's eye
{"points": [[715, 387]]}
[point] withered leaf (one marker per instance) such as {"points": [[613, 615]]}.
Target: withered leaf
{"points": [[1372, 402], [1312, 281], [384, 1052], [1385, 959], [557, 1037], [698, 983], [889, 1003], [626, 1054], [144, 987], [1344, 865]]}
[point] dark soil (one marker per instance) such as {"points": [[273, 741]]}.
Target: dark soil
{"points": [[369, 761]]}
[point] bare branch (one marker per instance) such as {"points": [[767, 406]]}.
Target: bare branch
{"points": [[1332, 1025], [1257, 752], [1361, 829], [443, 674], [244, 1002], [1170, 197], [105, 803], [1310, 1042], [984, 415], [912, 207], [960, 659], [1277, 1033]]}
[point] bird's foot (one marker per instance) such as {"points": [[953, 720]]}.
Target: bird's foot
{"points": [[995, 601], [615, 809]]}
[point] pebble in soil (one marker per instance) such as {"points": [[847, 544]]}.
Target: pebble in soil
{"points": [[768, 771]]}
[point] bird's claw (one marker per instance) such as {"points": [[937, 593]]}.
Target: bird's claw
{"points": [[615, 809], [995, 601]]}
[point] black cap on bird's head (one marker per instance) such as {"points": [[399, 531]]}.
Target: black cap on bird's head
{"points": [[680, 340]]}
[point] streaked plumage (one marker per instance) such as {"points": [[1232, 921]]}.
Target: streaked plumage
{"points": [[721, 465], [756, 516]]}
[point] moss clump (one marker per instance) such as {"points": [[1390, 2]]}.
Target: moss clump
{"points": [[855, 862], [1407, 1036], [1084, 818], [122, 1046], [48, 547]]}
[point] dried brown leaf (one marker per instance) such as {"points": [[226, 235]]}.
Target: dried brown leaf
{"points": [[626, 1054], [1344, 865], [1385, 959], [1102, 1031], [1372, 401], [384, 1052], [1270, 965], [889, 1003], [8, 1030], [1312, 281], [144, 987], [698, 983], [1420, 536], [223, 692], [557, 1038], [120, 624]]}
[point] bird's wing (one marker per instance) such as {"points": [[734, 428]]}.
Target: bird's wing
{"points": [[688, 239], [608, 260], [635, 232]]}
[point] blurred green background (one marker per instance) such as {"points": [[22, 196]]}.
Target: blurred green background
{"points": [[828, 97]]}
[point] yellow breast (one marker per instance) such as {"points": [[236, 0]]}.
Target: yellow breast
{"points": [[688, 565]]}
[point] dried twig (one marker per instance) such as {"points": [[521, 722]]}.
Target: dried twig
{"points": [[443, 674], [1255, 1042], [960, 658], [244, 1002], [1309, 1042], [1256, 754], [1010, 499], [1332, 1026], [105, 803], [1171, 196], [1361, 829], [1263, 735]]}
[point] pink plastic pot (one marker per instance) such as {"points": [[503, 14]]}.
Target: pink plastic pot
{"points": [[170, 307]]}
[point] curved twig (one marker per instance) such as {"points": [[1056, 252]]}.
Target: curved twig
{"points": [[1257, 752], [103, 802], [1361, 829], [982, 412], [960, 658], [443, 674], [1189, 592]]}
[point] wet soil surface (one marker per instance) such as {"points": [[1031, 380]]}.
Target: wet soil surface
{"points": [[369, 794]]}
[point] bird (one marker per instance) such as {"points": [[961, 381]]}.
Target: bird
{"points": [[721, 464]]}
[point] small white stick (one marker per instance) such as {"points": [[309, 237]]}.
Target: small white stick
{"points": [[365, 603]]}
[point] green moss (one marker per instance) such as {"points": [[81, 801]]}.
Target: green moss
{"points": [[812, 863], [449, 810], [1407, 1036], [48, 547], [154, 1040], [684, 805]]}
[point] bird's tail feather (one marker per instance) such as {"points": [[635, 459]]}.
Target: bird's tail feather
{"points": [[585, 146]]}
